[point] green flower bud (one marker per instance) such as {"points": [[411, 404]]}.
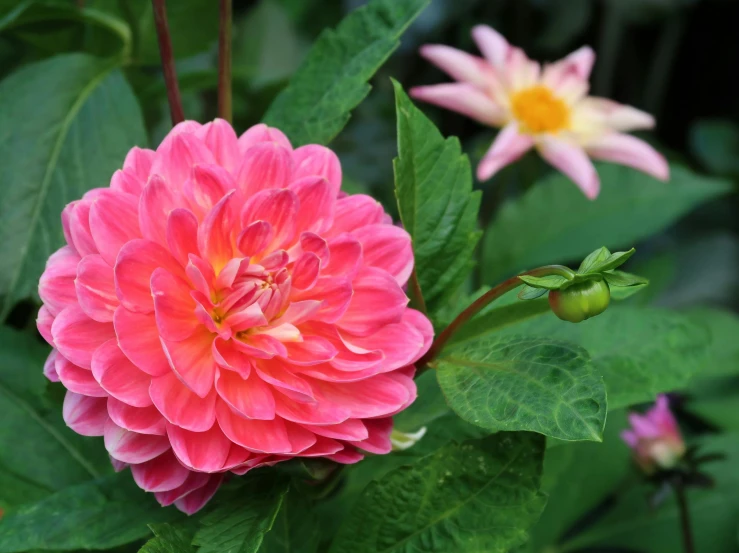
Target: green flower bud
{"points": [[581, 300]]}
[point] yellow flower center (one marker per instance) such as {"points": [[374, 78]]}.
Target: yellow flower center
{"points": [[538, 110]]}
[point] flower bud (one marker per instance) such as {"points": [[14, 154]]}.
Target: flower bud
{"points": [[580, 301], [655, 438]]}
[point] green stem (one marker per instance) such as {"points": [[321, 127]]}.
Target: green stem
{"points": [[659, 75], [483, 301], [611, 32], [224, 61], [168, 67], [682, 503]]}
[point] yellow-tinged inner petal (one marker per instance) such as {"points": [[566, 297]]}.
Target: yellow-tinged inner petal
{"points": [[538, 110]]}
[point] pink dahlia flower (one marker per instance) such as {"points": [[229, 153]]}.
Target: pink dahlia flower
{"points": [[543, 107], [223, 307], [655, 437]]}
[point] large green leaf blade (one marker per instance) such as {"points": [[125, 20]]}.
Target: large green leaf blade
{"points": [[640, 352], [479, 496], [524, 383], [49, 457], [333, 79], [99, 514], [433, 186], [56, 146], [554, 222], [296, 528]]}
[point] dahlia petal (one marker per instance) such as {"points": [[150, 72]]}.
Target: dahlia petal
{"points": [[335, 294], [173, 306], [353, 430], [298, 311], [200, 274], [378, 300], [127, 183], [50, 366], [118, 466], [459, 65], [305, 271], [180, 406], [311, 351], [196, 500], [261, 436], [131, 447], [491, 43], [346, 457], [56, 287], [353, 212], [194, 481], [346, 255], [373, 397], [318, 413], [205, 451], [378, 440], [182, 235], [85, 415], [463, 98], [404, 377], [248, 317], [278, 374], [113, 222], [316, 199], [250, 397], [192, 361], [76, 379], [222, 141], [275, 261], [508, 146], [205, 188], [138, 162], [261, 133], [579, 64], [302, 439], [95, 287], [161, 474], [44, 320], [628, 150], [254, 238], [136, 262], [119, 377], [76, 218], [314, 160], [261, 346], [264, 166], [143, 420], [276, 207], [138, 338], [176, 156], [77, 336], [156, 202], [573, 162], [387, 247]]}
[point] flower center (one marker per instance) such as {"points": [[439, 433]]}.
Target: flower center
{"points": [[538, 110]]}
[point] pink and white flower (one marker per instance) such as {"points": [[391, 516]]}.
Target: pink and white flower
{"points": [[655, 437], [547, 108], [223, 307]]}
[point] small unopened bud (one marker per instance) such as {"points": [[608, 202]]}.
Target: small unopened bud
{"points": [[580, 301], [655, 438], [403, 440]]}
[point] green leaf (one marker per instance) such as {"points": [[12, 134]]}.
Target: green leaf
{"points": [[631, 207], [633, 523], [239, 521], [99, 514], [723, 351], [433, 186], [296, 528], [609, 263], [640, 352], [550, 282], [333, 79], [168, 539], [55, 148], [622, 279], [593, 259], [523, 383], [50, 456], [479, 496], [529, 293], [715, 142]]}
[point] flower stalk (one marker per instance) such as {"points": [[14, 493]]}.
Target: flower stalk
{"points": [[225, 108], [685, 526], [483, 301], [168, 67]]}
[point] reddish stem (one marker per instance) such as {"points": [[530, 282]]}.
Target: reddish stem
{"points": [[480, 303], [168, 67], [224, 61]]}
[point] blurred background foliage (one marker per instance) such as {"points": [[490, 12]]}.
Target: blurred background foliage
{"points": [[677, 59]]}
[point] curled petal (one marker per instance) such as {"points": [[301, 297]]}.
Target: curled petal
{"points": [[43, 322], [119, 377], [264, 166], [353, 212], [85, 415], [138, 338], [192, 361], [56, 286], [377, 301], [205, 188], [156, 203], [196, 500], [138, 162], [95, 287], [276, 207], [131, 447], [136, 262], [261, 133], [144, 420], [77, 336], [76, 379], [182, 235], [491, 43], [573, 162], [50, 366], [161, 474], [261, 436], [387, 247], [176, 156], [251, 397], [205, 451], [313, 160], [173, 306], [180, 406], [463, 98], [459, 65], [113, 222], [630, 151], [221, 139], [508, 146]]}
